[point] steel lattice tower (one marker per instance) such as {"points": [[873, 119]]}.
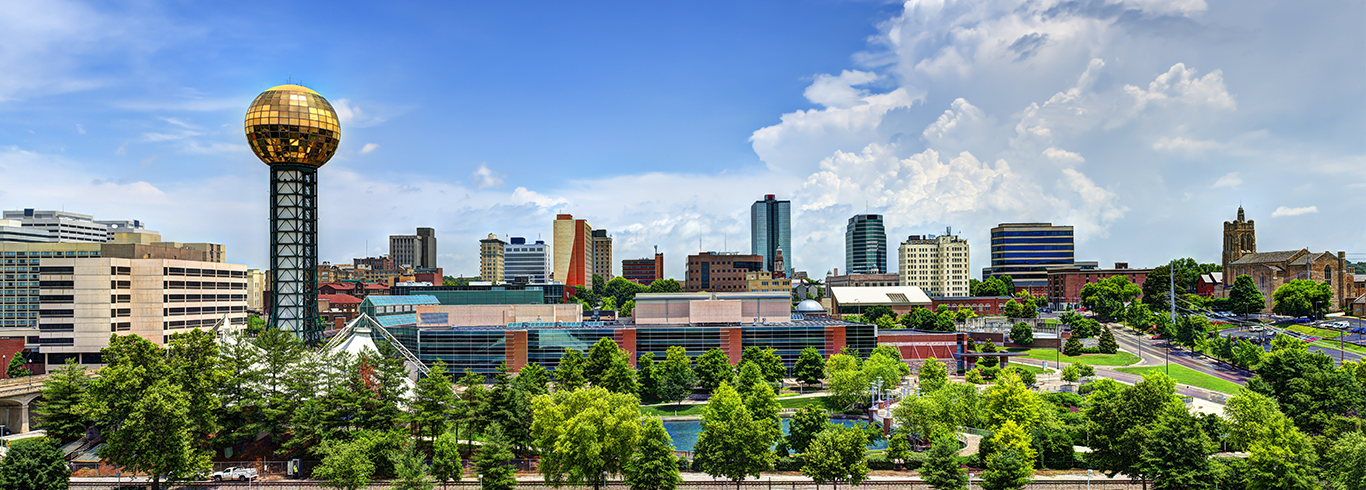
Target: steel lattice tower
{"points": [[295, 131]]}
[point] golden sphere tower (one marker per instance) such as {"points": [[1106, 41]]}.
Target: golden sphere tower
{"points": [[294, 130]]}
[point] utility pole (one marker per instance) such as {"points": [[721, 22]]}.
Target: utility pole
{"points": [[1171, 299]]}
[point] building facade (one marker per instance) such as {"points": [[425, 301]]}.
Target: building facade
{"points": [[936, 264], [862, 280], [1025, 252], [1270, 270], [643, 271], [573, 249], [853, 300], [602, 254], [1065, 284], [526, 262], [65, 299], [981, 305], [256, 287], [13, 231], [491, 258], [770, 229], [720, 272], [414, 251], [1240, 238], [64, 227], [764, 282], [865, 245]]}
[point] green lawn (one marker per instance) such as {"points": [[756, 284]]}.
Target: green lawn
{"points": [[1032, 369], [1349, 347], [1184, 375], [1117, 359], [1317, 332], [696, 410]]}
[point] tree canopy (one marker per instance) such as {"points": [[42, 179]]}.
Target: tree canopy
{"points": [[1302, 297]]}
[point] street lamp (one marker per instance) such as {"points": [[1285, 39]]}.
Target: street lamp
{"points": [[481, 480]]}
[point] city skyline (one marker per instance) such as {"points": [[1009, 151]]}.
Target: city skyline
{"points": [[1190, 110]]}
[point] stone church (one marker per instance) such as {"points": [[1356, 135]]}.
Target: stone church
{"points": [[1269, 270]]}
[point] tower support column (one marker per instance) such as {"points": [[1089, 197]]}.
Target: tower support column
{"points": [[294, 249]]}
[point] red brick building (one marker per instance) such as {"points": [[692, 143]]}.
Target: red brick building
{"points": [[981, 305], [359, 290], [333, 307], [1209, 284], [643, 271], [1064, 284], [720, 272]]}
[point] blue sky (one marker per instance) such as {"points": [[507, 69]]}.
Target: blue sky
{"points": [[1144, 123]]}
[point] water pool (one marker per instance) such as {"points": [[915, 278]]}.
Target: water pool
{"points": [[684, 432]]}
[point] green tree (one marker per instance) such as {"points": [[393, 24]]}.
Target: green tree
{"points": [[432, 402], [16, 367], [837, 454], [941, 412], [34, 464], [1028, 308], [1012, 310], [243, 394], [510, 409], [284, 381], [804, 426], [748, 377], [60, 407], [884, 368], [533, 379], [1022, 334], [899, 448], [844, 377], [645, 374], [665, 286], [1118, 419], [674, 379], [919, 318], [144, 417], [763, 407], [933, 375], [195, 365], [412, 472], [492, 462], [941, 469], [990, 287], [620, 377], [1009, 283], [1071, 373], [584, 433], [1107, 342], [732, 443], [810, 366], [1247, 354], [570, 374], [1346, 462], [653, 466], [601, 357], [713, 368], [1191, 331], [1273, 467], [1006, 470], [1302, 297], [989, 361], [1307, 386], [1188, 271], [1108, 297], [446, 464], [1176, 455], [1244, 297], [1072, 347], [768, 360]]}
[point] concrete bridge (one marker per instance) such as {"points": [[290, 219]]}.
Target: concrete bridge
{"points": [[16, 400]]}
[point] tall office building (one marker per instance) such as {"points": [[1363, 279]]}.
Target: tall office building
{"points": [[644, 271], [64, 227], [573, 251], [770, 228], [865, 245], [491, 252], [526, 261], [937, 265], [416, 251], [602, 254], [1025, 252]]}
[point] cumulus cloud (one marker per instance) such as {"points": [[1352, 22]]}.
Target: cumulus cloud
{"points": [[352, 115], [369, 147], [1285, 211], [484, 177], [1230, 179], [1180, 83]]}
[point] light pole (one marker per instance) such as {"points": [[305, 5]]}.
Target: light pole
{"points": [[1088, 479], [481, 480]]}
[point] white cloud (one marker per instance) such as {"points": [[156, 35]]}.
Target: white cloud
{"points": [[1063, 156], [369, 147], [1230, 179], [80, 129], [352, 115], [484, 177], [1180, 83], [1284, 211], [838, 90], [1184, 144]]}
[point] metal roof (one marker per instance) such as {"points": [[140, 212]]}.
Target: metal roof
{"points": [[879, 295], [421, 299]]}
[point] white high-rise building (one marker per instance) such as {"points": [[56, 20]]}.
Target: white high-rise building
{"points": [[526, 260], [937, 265], [64, 227]]}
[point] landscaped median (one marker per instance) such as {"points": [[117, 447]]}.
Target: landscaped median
{"points": [[1116, 359], [1184, 375]]}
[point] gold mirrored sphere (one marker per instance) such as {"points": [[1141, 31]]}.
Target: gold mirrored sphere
{"points": [[292, 124]]}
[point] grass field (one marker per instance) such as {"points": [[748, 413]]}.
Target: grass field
{"points": [[1349, 347], [696, 410], [1184, 375], [1032, 369], [1317, 332], [1117, 359]]}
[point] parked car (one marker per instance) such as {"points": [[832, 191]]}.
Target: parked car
{"points": [[235, 473]]}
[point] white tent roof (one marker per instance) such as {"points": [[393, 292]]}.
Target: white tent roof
{"points": [[880, 295]]}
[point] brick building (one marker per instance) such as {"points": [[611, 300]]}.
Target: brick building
{"points": [[981, 305], [720, 271], [643, 271], [1064, 284], [1269, 270]]}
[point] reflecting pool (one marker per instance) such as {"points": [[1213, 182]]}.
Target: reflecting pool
{"points": [[684, 432]]}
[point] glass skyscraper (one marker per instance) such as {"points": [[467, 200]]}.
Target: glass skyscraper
{"points": [[1025, 252], [865, 245], [770, 229]]}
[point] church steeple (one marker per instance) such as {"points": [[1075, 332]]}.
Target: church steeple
{"points": [[1240, 214]]}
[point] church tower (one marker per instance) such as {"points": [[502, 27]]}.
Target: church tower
{"points": [[1239, 239]]}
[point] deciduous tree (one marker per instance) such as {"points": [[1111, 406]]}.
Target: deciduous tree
{"points": [[932, 376], [1022, 334], [60, 407], [732, 443], [653, 466], [1302, 297], [810, 366], [941, 469], [713, 368], [34, 464], [674, 378], [1244, 297], [837, 454], [584, 433], [570, 375], [1176, 452], [804, 426], [1006, 470]]}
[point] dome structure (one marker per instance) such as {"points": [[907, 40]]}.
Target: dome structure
{"points": [[292, 124], [809, 306]]}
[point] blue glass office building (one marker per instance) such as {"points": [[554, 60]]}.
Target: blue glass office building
{"points": [[865, 245], [770, 229], [1025, 252]]}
